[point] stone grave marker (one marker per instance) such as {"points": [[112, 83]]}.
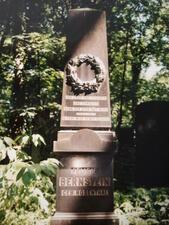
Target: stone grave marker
{"points": [[86, 144], [85, 99]]}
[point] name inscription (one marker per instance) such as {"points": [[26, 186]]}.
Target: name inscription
{"points": [[84, 182]]}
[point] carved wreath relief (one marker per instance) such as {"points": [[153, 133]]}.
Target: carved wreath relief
{"points": [[77, 85]]}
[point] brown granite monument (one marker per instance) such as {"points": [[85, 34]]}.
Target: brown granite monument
{"points": [[86, 144]]}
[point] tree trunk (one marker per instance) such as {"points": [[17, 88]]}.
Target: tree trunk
{"points": [[136, 70], [120, 115], [17, 98]]}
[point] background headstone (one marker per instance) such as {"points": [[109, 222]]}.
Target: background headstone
{"points": [[152, 147]]}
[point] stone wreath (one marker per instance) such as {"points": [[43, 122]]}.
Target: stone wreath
{"points": [[78, 86]]}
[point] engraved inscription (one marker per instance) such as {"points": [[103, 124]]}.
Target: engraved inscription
{"points": [[85, 109], [99, 98], [85, 181], [86, 103], [71, 118], [85, 114], [83, 171], [85, 192]]}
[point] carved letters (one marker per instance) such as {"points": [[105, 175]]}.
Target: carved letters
{"points": [[83, 182]]}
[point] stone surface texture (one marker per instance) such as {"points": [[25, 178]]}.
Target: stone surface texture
{"points": [[86, 145], [86, 34]]}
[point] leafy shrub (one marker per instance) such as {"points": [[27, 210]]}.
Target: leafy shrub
{"points": [[27, 193], [143, 207]]}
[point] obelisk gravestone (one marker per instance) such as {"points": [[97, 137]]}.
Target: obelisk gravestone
{"points": [[86, 144]]}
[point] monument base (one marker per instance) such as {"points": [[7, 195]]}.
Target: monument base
{"points": [[90, 218]]}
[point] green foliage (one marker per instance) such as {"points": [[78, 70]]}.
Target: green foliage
{"points": [[31, 76], [154, 89], [25, 194], [143, 207], [26, 190], [138, 33], [31, 81], [13, 149]]}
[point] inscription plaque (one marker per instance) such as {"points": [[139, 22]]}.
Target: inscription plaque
{"points": [[86, 183]]}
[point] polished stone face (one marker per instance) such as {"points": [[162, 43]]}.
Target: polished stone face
{"points": [[85, 183], [86, 37], [85, 145]]}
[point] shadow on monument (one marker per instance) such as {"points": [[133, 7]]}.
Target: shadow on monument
{"points": [[78, 21]]}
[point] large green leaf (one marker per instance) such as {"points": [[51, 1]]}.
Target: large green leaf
{"points": [[20, 174], [11, 153], [2, 215], [48, 170], [28, 176], [2, 146], [37, 139], [3, 150], [2, 154], [25, 140], [9, 141]]}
